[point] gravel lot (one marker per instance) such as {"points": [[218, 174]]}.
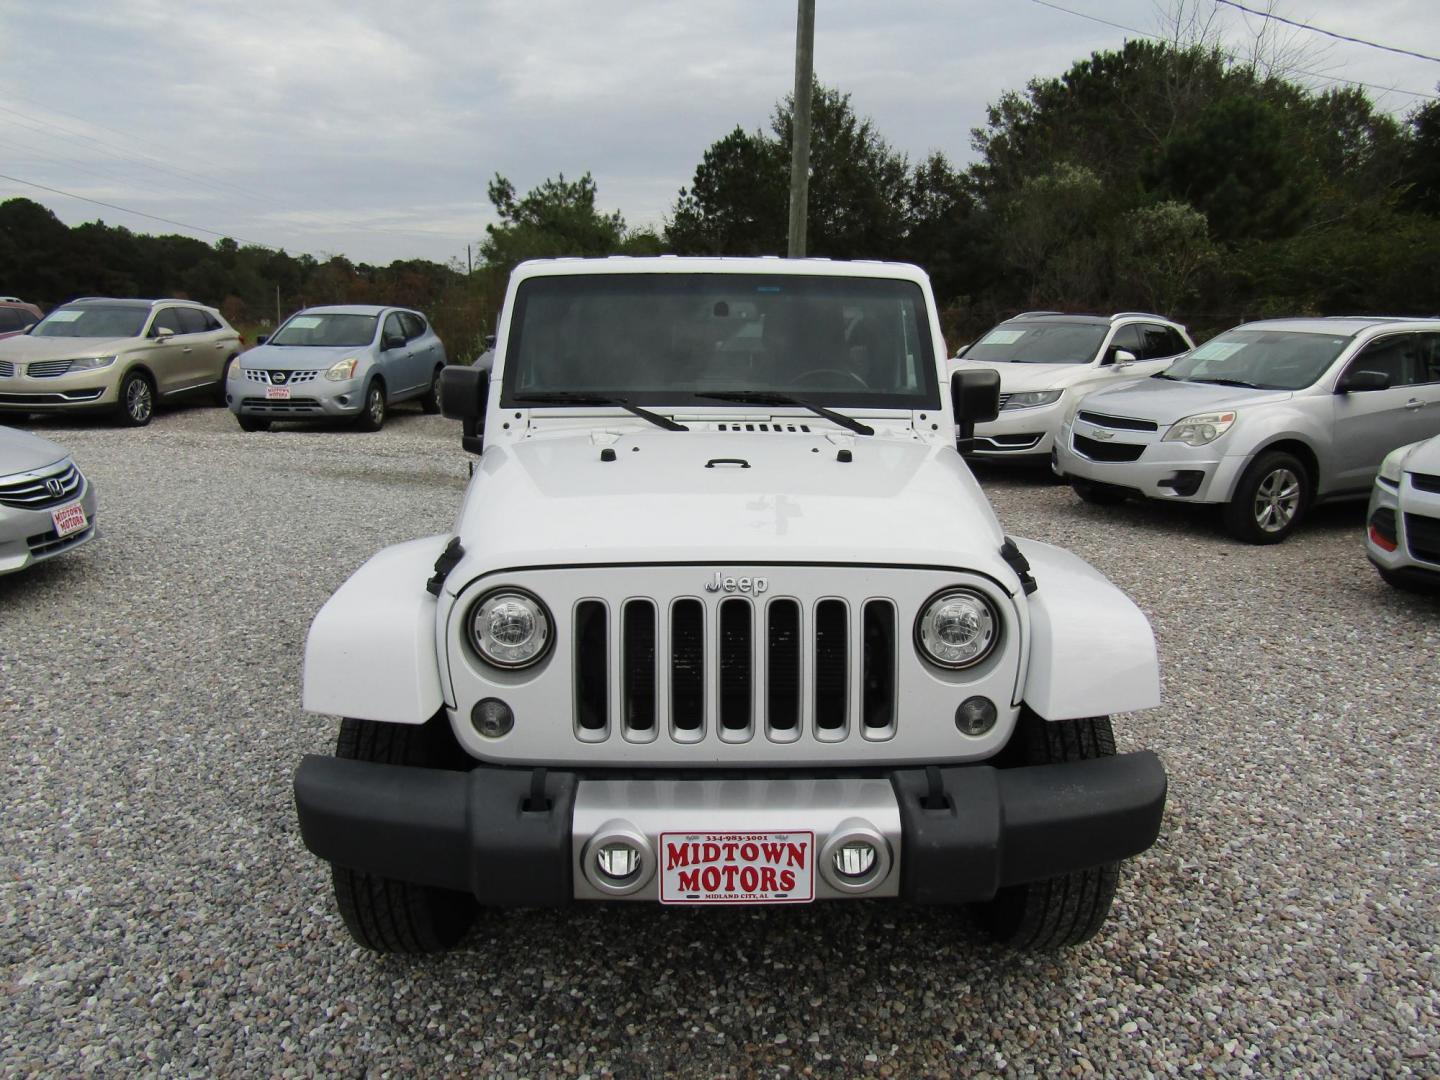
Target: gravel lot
{"points": [[159, 915]]}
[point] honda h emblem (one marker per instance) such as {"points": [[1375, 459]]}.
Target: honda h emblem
{"points": [[55, 487]]}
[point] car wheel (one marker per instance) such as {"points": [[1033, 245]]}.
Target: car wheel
{"points": [[224, 382], [431, 401], [1270, 499], [250, 423], [1096, 494], [1408, 582], [372, 416], [137, 400], [381, 913], [1069, 909]]}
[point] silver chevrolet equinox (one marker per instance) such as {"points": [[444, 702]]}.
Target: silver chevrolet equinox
{"points": [[1266, 419]]}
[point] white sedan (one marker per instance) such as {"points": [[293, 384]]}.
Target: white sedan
{"points": [[46, 504]]}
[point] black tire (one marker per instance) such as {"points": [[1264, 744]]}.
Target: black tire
{"points": [[381, 913], [251, 423], [224, 382], [1097, 494], [14, 417], [1071, 908], [376, 408], [1411, 583], [1271, 499], [137, 399], [431, 401]]}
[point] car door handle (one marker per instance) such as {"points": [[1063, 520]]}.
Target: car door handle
{"points": [[1414, 403]]}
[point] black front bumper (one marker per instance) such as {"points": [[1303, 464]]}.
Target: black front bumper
{"points": [[505, 834]]}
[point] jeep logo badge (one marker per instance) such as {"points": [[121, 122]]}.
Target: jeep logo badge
{"points": [[754, 586]]}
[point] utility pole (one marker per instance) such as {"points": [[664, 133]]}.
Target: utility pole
{"points": [[469, 266], [800, 126], [277, 307]]}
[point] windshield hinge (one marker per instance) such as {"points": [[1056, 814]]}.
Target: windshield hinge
{"points": [[452, 554], [1010, 552]]}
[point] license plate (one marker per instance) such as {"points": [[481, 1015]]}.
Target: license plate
{"points": [[737, 868], [281, 393], [68, 519]]}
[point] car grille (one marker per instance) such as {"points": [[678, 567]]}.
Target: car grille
{"points": [[1425, 482], [47, 369], [48, 543], [278, 377], [1422, 537], [67, 397], [1096, 450], [1121, 422], [34, 492], [282, 405], [1004, 400], [6, 368]]}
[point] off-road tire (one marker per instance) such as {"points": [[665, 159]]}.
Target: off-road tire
{"points": [[373, 412], [1241, 514], [1069, 909], [381, 913], [431, 401], [250, 423], [137, 400], [1096, 494]]}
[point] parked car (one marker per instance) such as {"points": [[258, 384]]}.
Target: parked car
{"points": [[352, 361], [1403, 526], [46, 504], [1048, 360], [724, 619], [16, 316], [118, 355], [1266, 420]]}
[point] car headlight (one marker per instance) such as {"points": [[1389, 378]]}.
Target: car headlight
{"points": [[236, 371], [90, 363], [1394, 463], [345, 369], [1200, 429], [1032, 399], [510, 628], [957, 629]]}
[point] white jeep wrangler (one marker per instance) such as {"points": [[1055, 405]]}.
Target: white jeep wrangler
{"points": [[725, 619]]}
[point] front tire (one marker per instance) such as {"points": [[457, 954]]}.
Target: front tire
{"points": [[381, 913], [1096, 494], [137, 400], [251, 423], [1069, 909], [1270, 500], [220, 391], [431, 401], [372, 415]]}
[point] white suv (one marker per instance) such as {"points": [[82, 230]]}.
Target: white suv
{"points": [[1402, 537], [724, 619], [1048, 360]]}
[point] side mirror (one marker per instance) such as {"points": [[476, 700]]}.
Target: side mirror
{"points": [[1123, 358], [975, 399], [464, 393], [27, 328], [391, 341], [260, 339], [163, 332], [1360, 381]]}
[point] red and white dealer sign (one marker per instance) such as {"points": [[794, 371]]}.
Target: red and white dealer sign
{"points": [[737, 868]]}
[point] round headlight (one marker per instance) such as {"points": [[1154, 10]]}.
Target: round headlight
{"points": [[510, 628], [957, 629]]}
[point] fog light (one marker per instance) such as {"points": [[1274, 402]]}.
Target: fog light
{"points": [[618, 860], [492, 718], [854, 859], [975, 716]]}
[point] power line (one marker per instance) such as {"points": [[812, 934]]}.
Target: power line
{"points": [[1298, 71], [1328, 33]]}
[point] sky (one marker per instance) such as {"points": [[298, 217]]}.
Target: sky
{"points": [[371, 129]]}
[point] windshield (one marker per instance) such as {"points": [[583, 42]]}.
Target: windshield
{"points": [[658, 339], [1039, 343], [93, 322], [340, 331], [1265, 359]]}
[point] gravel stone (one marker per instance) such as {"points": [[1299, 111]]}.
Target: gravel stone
{"points": [[159, 915]]}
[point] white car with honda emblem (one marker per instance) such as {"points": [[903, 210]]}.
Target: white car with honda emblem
{"points": [[724, 619], [46, 504]]}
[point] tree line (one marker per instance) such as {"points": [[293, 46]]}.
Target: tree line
{"points": [[1155, 176]]}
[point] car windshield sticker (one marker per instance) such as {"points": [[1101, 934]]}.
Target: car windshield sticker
{"points": [[1002, 337], [1217, 350], [304, 322], [66, 316]]}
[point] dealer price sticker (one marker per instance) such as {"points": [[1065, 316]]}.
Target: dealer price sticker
{"points": [[68, 519], [737, 868]]}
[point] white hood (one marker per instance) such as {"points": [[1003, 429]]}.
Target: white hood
{"points": [[552, 500], [1424, 457], [1019, 378]]}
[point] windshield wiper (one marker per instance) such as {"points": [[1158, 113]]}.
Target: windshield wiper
{"points": [[763, 397], [1230, 382], [564, 398]]}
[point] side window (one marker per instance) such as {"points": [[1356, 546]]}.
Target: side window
{"points": [[1127, 338], [1427, 348], [211, 322], [192, 321], [14, 319], [168, 318], [393, 327], [1396, 357], [1160, 342], [414, 325]]}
